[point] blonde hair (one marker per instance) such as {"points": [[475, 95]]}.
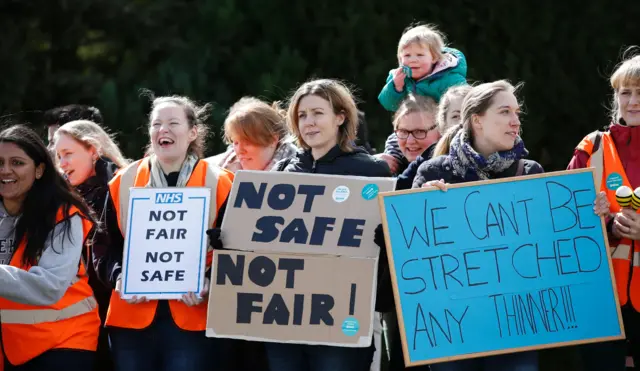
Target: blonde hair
{"points": [[340, 99], [444, 143], [90, 134], [255, 121], [425, 35], [415, 104], [480, 98], [627, 74], [195, 114], [454, 92]]}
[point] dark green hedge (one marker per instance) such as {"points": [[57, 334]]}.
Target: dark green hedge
{"points": [[102, 52]]}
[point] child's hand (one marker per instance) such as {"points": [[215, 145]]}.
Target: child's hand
{"points": [[398, 79]]}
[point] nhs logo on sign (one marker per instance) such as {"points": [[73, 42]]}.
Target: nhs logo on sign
{"points": [[169, 198]]}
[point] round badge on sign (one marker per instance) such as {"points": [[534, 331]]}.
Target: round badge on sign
{"points": [[341, 193], [614, 180], [350, 326], [370, 191]]}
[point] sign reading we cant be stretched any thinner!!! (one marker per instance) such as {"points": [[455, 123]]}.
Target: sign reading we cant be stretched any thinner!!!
{"points": [[499, 267], [165, 245]]}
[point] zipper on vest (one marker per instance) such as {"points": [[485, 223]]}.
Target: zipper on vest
{"points": [[313, 166]]}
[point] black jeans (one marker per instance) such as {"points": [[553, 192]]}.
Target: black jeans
{"points": [[57, 360]]}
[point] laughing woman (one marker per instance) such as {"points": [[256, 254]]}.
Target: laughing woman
{"points": [[48, 313], [164, 334]]}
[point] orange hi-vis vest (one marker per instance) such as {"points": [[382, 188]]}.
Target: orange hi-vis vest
{"points": [[72, 323], [610, 175], [139, 316]]}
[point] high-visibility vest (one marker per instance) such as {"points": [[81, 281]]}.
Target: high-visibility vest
{"points": [[72, 323], [139, 316], [609, 176]]}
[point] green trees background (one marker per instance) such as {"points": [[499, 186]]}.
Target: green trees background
{"points": [[102, 52]]}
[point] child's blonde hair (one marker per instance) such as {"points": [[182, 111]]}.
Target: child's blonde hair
{"points": [[626, 75], [425, 35], [90, 134], [454, 92]]}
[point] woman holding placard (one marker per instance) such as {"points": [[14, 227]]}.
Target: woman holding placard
{"points": [[164, 334], [88, 157], [615, 154], [258, 137], [488, 146], [323, 118], [48, 312]]}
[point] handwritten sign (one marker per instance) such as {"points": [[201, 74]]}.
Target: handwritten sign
{"points": [[166, 245], [303, 263], [499, 267]]}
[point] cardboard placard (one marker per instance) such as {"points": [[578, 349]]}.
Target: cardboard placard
{"points": [[300, 244], [166, 244], [292, 298], [499, 267], [303, 213]]}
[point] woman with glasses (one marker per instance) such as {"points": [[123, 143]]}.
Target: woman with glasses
{"points": [[415, 125]]}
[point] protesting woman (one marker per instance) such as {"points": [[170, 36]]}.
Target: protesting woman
{"points": [[257, 135], [164, 334], [48, 313], [615, 155], [88, 157], [323, 118]]}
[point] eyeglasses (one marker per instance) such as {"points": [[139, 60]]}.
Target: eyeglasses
{"points": [[417, 134]]}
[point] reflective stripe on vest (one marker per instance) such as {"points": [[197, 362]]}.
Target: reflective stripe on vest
{"points": [[35, 316], [131, 177]]}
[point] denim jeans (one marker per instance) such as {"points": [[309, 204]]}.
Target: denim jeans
{"points": [[57, 360], [525, 361], [164, 346], [299, 357]]}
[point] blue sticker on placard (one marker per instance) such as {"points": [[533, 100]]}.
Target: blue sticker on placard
{"points": [[350, 326], [370, 191], [614, 180]]}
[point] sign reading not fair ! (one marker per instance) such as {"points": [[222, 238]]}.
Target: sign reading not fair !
{"points": [[499, 267], [301, 265], [165, 245]]}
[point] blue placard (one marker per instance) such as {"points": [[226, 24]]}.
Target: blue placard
{"points": [[500, 267]]}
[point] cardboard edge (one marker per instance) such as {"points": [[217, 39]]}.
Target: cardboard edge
{"points": [[363, 342], [514, 350], [492, 181], [394, 282]]}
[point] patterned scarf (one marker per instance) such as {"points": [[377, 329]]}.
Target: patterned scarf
{"points": [[158, 179], [471, 165]]}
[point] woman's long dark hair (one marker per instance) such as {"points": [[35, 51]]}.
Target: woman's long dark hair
{"points": [[45, 197]]}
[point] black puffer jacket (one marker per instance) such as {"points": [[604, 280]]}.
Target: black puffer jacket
{"points": [[356, 163], [337, 162], [441, 168]]}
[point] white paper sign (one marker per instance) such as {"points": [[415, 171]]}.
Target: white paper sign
{"points": [[165, 245]]}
